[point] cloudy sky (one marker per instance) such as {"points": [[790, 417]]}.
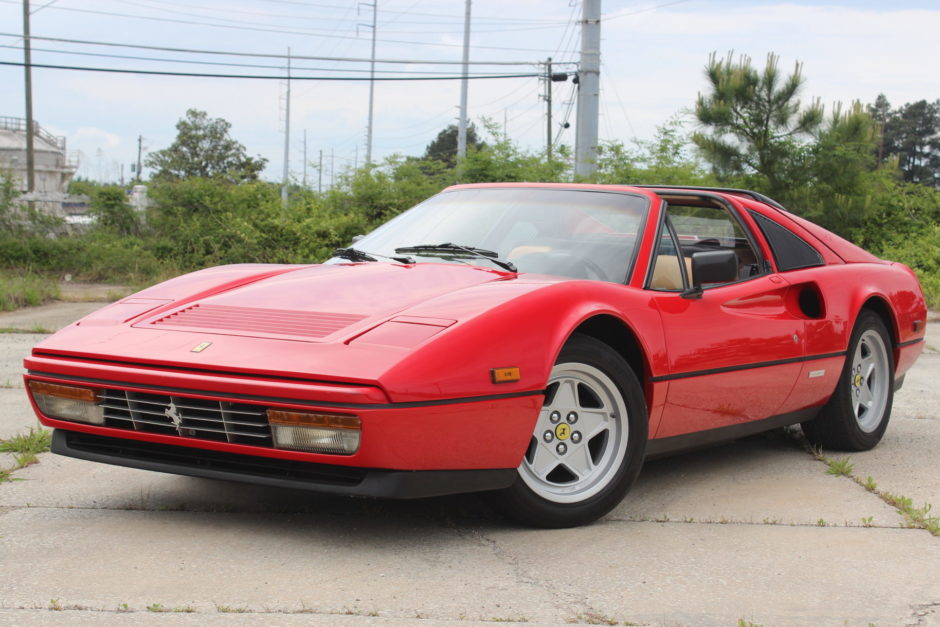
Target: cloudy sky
{"points": [[653, 53]]}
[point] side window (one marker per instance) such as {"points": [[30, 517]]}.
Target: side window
{"points": [[693, 229], [790, 251]]}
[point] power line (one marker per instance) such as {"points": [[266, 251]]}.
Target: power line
{"points": [[272, 55], [262, 76], [444, 15], [638, 11], [303, 32], [319, 19], [218, 63]]}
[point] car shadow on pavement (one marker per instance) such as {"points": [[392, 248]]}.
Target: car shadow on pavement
{"points": [[260, 505]]}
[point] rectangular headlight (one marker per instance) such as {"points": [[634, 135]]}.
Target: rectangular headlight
{"points": [[334, 434], [68, 402]]}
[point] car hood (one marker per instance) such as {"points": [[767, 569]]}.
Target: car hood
{"points": [[321, 303], [309, 322]]}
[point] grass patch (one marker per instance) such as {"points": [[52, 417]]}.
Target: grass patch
{"points": [[26, 446], [25, 290], [35, 329]]}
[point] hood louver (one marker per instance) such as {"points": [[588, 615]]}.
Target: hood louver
{"points": [[256, 321]]}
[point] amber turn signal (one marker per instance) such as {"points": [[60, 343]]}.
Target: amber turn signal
{"points": [[505, 375], [68, 402], [333, 434]]}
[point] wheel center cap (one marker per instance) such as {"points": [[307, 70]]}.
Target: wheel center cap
{"points": [[562, 431], [857, 381]]}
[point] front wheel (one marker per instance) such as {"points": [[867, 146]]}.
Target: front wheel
{"points": [[857, 415], [588, 443]]}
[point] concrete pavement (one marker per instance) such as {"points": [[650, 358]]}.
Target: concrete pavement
{"points": [[752, 531]]}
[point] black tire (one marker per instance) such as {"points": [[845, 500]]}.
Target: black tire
{"points": [[588, 443], [856, 416]]}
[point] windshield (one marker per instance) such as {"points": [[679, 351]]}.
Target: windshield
{"points": [[574, 233]]}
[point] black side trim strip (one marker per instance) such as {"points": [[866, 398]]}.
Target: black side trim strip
{"points": [[911, 342], [761, 364], [666, 446], [290, 401], [282, 473]]}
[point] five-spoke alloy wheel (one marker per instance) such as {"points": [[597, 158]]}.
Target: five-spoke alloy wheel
{"points": [[857, 415], [588, 442]]}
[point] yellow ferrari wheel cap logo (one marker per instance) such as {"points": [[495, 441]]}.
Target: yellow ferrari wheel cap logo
{"points": [[857, 382], [562, 431], [198, 348]]}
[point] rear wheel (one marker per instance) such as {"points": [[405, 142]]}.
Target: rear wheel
{"points": [[588, 443], [857, 415]]}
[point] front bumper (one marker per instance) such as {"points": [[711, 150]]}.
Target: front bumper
{"points": [[280, 473], [448, 437]]}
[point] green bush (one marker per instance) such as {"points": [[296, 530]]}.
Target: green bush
{"points": [[25, 290], [922, 254]]}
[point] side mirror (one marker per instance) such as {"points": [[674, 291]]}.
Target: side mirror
{"points": [[713, 266]]}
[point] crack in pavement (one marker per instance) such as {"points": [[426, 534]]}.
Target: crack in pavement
{"points": [[577, 608], [922, 611]]}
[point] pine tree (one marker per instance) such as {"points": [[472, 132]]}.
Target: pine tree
{"points": [[753, 122]]}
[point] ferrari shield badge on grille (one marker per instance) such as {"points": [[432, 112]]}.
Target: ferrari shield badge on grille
{"points": [[198, 348]]}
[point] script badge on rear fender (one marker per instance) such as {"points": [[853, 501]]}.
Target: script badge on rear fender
{"points": [[198, 348]]}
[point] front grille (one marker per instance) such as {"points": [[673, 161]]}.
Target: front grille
{"points": [[223, 421]]}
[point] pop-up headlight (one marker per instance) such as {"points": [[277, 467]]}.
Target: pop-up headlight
{"points": [[68, 402], [335, 434]]}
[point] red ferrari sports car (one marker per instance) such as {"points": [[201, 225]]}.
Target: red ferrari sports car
{"points": [[533, 341]]}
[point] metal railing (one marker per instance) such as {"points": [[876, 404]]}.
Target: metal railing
{"points": [[19, 124]]}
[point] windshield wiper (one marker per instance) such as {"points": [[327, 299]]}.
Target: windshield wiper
{"points": [[354, 254], [457, 249]]}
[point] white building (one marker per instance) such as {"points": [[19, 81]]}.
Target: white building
{"points": [[52, 166]]}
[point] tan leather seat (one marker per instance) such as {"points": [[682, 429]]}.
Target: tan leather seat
{"points": [[666, 274]]}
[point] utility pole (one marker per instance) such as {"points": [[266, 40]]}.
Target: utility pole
{"points": [[320, 173], [588, 89], [28, 83], [286, 139], [305, 158], [375, 8], [548, 117], [140, 150], [462, 122]]}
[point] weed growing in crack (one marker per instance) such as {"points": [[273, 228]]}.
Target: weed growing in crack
{"points": [[915, 517], [840, 467]]}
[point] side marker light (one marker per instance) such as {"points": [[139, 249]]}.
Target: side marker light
{"points": [[505, 375]]}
